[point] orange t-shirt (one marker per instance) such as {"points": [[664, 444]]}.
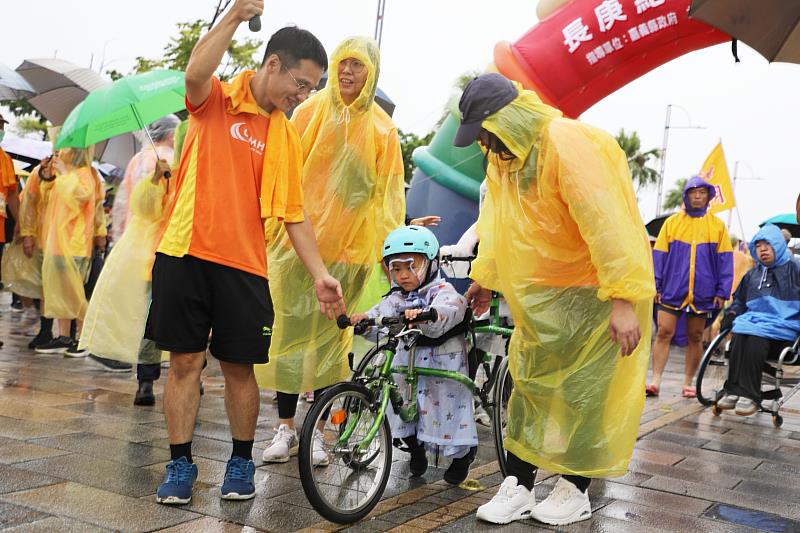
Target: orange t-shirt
{"points": [[8, 184], [216, 211]]}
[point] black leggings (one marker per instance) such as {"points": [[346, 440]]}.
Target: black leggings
{"points": [[287, 403], [526, 473]]}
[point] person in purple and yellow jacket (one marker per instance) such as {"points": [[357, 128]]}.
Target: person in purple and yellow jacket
{"points": [[693, 262]]}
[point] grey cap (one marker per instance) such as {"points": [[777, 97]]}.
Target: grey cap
{"points": [[483, 96]]}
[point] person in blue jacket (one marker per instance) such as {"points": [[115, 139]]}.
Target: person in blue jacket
{"points": [[765, 315]]}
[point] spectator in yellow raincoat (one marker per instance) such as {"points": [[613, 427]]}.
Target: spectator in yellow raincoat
{"points": [[33, 206], [74, 224], [561, 237], [354, 190]]}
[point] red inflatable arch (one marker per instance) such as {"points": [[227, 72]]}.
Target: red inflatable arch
{"points": [[587, 49]]}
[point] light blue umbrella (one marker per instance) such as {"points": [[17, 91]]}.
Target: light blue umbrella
{"points": [[13, 86], [787, 221]]}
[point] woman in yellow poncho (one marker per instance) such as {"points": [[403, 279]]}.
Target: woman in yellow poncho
{"points": [[354, 196], [562, 239], [74, 224]]}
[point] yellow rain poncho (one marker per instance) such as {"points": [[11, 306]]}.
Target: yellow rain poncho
{"points": [[74, 217], [354, 196], [561, 235], [115, 319]]}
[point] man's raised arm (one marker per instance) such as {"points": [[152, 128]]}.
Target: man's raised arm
{"points": [[208, 52]]}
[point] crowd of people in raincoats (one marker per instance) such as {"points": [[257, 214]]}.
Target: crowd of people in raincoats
{"points": [[572, 262]]}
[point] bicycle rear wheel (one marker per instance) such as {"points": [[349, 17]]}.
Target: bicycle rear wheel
{"points": [[353, 482], [502, 392]]}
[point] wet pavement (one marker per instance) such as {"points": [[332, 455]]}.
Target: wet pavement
{"points": [[76, 455]]}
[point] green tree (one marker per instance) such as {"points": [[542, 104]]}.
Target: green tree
{"points": [[452, 103], [408, 143], [674, 197], [639, 162]]}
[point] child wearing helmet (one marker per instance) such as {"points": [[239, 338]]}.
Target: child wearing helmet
{"points": [[410, 254]]}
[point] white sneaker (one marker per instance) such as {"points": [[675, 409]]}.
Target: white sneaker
{"points": [[746, 407], [284, 445], [482, 417], [727, 402], [319, 457], [565, 505], [512, 502]]}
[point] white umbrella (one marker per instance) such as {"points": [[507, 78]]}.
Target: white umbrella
{"points": [[60, 86], [13, 86], [31, 149]]}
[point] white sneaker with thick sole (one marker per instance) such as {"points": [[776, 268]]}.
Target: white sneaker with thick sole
{"points": [[746, 407], [727, 402], [284, 445], [512, 502], [319, 457], [565, 505]]}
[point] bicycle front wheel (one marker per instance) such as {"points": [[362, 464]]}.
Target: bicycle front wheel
{"points": [[353, 481], [502, 392]]}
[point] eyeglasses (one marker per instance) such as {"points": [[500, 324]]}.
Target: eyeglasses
{"points": [[356, 66], [302, 88]]}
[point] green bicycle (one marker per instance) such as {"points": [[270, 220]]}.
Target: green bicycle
{"points": [[350, 418]]}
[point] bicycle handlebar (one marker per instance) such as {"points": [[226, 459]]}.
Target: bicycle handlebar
{"points": [[426, 316], [455, 258]]}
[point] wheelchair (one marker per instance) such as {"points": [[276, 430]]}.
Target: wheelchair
{"points": [[714, 371]]}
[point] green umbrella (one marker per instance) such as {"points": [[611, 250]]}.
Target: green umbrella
{"points": [[126, 105], [787, 221]]}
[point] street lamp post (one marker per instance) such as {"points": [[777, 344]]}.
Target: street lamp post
{"points": [[379, 21], [664, 144], [739, 211]]}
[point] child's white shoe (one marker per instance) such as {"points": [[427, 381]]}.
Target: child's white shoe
{"points": [[565, 505], [512, 502]]}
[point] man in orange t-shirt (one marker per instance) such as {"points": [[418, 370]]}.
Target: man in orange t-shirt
{"points": [[241, 163]]}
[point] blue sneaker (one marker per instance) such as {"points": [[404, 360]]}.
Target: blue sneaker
{"points": [[177, 487], [239, 483]]}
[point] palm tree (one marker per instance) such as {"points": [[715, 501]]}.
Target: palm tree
{"points": [[458, 85], [674, 197], [639, 162]]}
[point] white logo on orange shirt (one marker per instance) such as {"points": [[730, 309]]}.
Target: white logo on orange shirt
{"points": [[240, 133]]}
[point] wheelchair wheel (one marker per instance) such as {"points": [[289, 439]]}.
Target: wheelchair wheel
{"points": [[713, 373], [353, 482], [502, 392]]}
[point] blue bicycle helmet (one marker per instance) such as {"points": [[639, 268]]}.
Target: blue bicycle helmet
{"points": [[411, 239]]}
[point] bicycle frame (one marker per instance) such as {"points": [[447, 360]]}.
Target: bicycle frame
{"points": [[388, 386]]}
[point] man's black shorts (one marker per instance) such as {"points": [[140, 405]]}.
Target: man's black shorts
{"points": [[688, 312], [192, 297]]}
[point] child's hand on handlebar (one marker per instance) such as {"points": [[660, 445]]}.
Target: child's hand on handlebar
{"points": [[357, 317], [411, 314]]}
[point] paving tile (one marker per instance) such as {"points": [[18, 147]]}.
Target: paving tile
{"points": [[713, 494], [699, 453], [779, 468], [13, 479], [665, 435], [680, 472], [370, 525], [130, 453], [96, 506], [209, 525], [789, 493], [667, 521], [13, 428], [209, 430], [407, 513], [36, 397], [99, 473], [115, 428], [649, 497], [39, 413], [260, 512], [16, 451], [14, 515], [658, 457], [105, 396], [139, 415], [713, 470], [753, 452], [56, 523], [46, 385]]}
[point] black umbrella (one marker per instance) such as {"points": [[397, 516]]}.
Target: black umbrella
{"points": [[654, 226]]}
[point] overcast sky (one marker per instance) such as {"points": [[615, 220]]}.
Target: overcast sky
{"points": [[752, 106]]}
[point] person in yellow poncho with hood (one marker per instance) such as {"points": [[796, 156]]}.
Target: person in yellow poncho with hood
{"points": [[562, 239], [354, 189], [74, 224]]}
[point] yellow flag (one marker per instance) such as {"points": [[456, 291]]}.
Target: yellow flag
{"points": [[715, 171]]}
